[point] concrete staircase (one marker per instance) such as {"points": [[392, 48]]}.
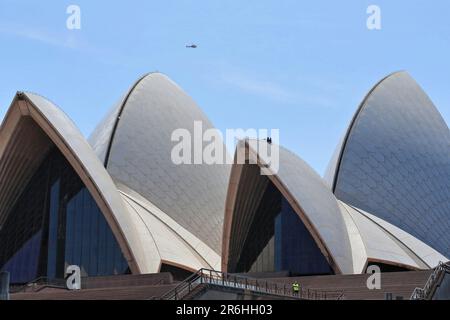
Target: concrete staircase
{"points": [[120, 287], [155, 286], [111, 293], [354, 286]]}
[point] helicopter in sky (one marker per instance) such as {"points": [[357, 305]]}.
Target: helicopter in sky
{"points": [[191, 46]]}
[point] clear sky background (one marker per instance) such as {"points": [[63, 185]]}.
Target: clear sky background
{"points": [[299, 66]]}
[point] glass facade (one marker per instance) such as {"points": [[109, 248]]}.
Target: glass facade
{"points": [[279, 241], [56, 223]]}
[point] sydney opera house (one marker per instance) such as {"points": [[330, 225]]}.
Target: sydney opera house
{"points": [[117, 206]]}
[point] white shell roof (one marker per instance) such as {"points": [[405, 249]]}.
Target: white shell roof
{"points": [[135, 142], [66, 136], [147, 236], [394, 161], [374, 239], [165, 214], [168, 242], [426, 253], [352, 236]]}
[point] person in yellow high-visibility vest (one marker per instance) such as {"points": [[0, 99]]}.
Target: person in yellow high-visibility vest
{"points": [[295, 288]]}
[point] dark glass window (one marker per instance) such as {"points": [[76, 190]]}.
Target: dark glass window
{"points": [[298, 252], [56, 223], [278, 241], [387, 267], [53, 229]]}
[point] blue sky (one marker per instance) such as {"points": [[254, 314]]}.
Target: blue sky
{"points": [[299, 66]]}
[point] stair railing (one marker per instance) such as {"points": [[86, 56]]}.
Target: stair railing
{"points": [[205, 277], [433, 281]]}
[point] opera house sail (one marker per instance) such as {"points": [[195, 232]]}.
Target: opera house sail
{"points": [[385, 199], [395, 163], [115, 206]]}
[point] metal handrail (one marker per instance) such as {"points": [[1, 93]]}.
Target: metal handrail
{"points": [[174, 294], [212, 277], [433, 281]]}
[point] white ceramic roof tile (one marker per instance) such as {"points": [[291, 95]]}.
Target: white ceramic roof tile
{"points": [[378, 244], [140, 157], [316, 200], [396, 161], [425, 252], [188, 240]]}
